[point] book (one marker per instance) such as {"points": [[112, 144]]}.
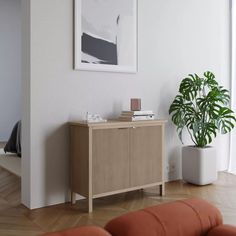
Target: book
{"points": [[148, 112], [136, 118], [131, 115]]}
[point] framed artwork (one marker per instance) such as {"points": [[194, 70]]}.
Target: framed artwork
{"points": [[105, 35]]}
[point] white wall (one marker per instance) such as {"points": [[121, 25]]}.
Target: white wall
{"points": [[175, 38], [26, 167], [232, 165], [10, 66]]}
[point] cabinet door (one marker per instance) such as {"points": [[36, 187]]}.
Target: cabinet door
{"points": [[146, 155], [110, 150]]}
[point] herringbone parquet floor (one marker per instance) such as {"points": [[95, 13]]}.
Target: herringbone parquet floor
{"points": [[16, 220]]}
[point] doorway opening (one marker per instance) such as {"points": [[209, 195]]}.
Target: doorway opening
{"points": [[10, 89]]}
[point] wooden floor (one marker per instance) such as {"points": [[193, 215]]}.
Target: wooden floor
{"points": [[15, 219]]}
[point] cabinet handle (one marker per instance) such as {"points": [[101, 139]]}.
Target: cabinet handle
{"points": [[122, 128]]}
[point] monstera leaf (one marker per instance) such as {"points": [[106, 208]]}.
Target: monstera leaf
{"points": [[190, 86], [202, 108], [182, 113], [210, 80], [224, 119]]}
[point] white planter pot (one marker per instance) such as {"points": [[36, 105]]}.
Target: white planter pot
{"points": [[199, 165]]}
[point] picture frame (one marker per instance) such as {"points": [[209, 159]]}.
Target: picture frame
{"points": [[105, 35]]}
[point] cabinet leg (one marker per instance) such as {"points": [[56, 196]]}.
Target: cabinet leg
{"points": [[90, 204], [73, 198], [162, 189]]}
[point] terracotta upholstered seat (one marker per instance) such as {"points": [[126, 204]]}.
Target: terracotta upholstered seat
{"points": [[223, 230], [82, 231], [193, 217]]}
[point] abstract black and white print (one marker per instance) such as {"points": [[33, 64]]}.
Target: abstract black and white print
{"points": [[107, 33]]}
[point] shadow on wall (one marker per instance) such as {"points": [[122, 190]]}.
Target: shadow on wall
{"points": [[174, 164], [173, 145], [57, 165]]}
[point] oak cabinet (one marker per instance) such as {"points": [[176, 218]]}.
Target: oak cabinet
{"points": [[115, 157]]}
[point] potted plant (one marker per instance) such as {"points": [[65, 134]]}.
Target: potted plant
{"points": [[202, 108]]}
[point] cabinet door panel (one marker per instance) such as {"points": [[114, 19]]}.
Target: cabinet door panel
{"points": [[110, 160], [146, 155]]}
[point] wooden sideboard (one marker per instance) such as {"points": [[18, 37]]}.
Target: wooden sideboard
{"points": [[115, 157]]}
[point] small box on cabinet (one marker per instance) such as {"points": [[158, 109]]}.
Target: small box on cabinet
{"points": [[135, 104]]}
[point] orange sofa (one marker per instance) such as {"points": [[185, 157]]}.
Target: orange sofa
{"points": [[192, 217]]}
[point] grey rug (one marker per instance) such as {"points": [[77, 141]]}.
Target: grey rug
{"points": [[10, 162]]}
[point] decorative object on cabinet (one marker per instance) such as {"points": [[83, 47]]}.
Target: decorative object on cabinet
{"points": [[105, 35], [115, 157], [136, 115], [92, 118], [135, 104]]}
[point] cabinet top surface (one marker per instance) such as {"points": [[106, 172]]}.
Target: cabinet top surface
{"points": [[117, 123]]}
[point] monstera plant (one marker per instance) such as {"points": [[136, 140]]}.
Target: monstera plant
{"points": [[202, 107]]}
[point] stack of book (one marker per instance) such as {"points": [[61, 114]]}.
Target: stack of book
{"points": [[136, 115]]}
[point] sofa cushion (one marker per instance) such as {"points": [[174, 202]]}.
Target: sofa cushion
{"points": [[223, 230], [81, 231], [192, 217]]}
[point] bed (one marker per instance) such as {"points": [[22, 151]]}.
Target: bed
{"points": [[14, 143]]}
